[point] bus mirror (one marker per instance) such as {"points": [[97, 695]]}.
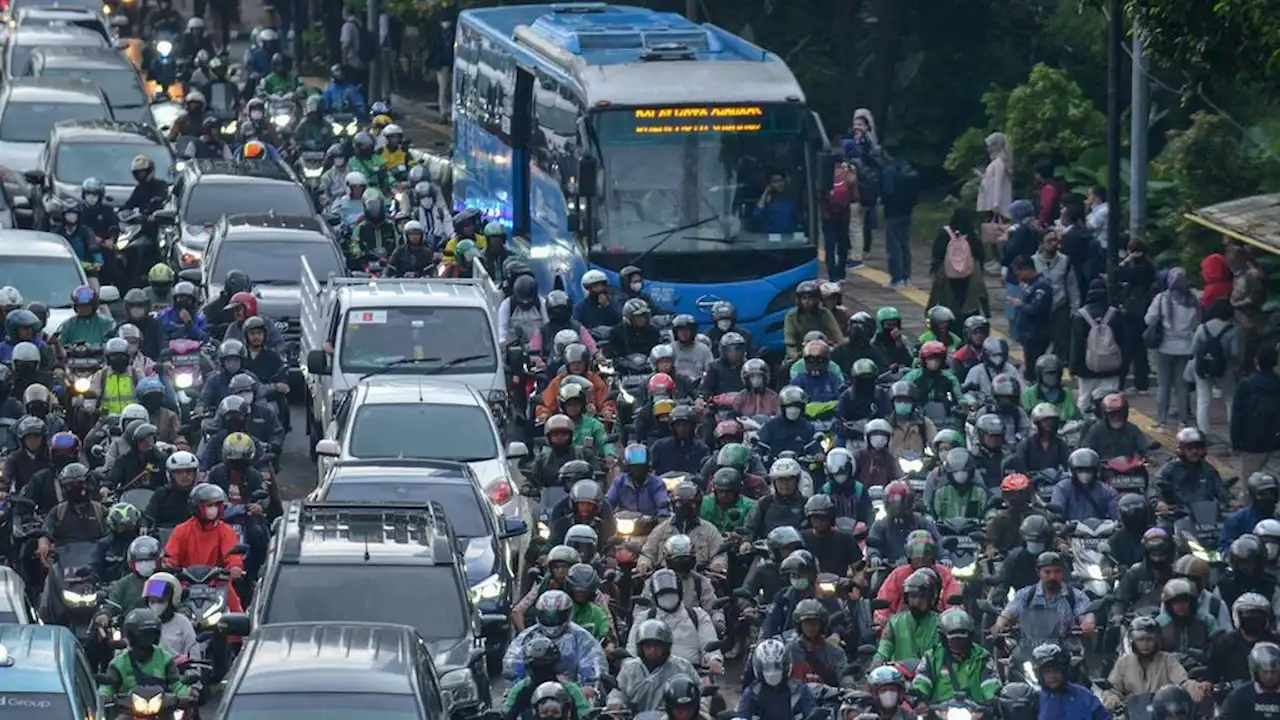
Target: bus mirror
{"points": [[818, 133], [588, 172]]}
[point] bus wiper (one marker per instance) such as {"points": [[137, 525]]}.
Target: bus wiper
{"points": [[667, 235], [414, 361]]}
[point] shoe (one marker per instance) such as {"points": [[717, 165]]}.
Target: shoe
{"points": [[992, 268], [854, 264], [891, 285], [1158, 427], [905, 283]]}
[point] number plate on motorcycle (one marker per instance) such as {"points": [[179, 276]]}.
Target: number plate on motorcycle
{"points": [[1088, 542], [83, 363], [201, 592], [185, 360], [1128, 482]]}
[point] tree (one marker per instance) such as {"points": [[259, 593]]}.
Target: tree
{"points": [[1212, 41]]}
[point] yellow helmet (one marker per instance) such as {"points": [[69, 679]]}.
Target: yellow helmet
{"points": [[160, 274], [380, 122], [238, 446]]}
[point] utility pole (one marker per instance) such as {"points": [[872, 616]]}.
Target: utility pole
{"points": [[1140, 111], [375, 67], [1115, 53], [691, 10]]}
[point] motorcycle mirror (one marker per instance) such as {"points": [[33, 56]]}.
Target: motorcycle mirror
{"points": [[642, 602], [879, 604], [712, 647], [955, 600], [743, 594], [986, 607], [866, 649], [239, 549], [710, 690]]}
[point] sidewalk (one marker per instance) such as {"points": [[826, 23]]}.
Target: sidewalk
{"points": [[865, 289]]}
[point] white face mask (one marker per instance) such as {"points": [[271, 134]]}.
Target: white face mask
{"points": [[724, 324], [757, 382], [145, 567], [1085, 478], [772, 677], [961, 477], [211, 512], [888, 699], [70, 217], [792, 413], [158, 606], [93, 199], [255, 114], [247, 397], [635, 286], [669, 601], [878, 441], [339, 162]]}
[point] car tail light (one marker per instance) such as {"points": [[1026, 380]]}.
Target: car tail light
{"points": [[499, 492]]}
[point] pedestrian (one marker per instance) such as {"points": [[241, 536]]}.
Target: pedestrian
{"points": [[1255, 414], [1051, 192], [1097, 354], [1216, 348], [1248, 293], [1216, 275], [955, 266], [352, 53], [1079, 244], [1022, 238], [995, 194], [862, 151], [835, 220], [1176, 312], [1066, 290], [900, 189], [1135, 276], [1033, 307], [444, 25], [1099, 218]]}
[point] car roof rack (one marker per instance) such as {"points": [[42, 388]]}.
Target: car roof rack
{"points": [[385, 523]]}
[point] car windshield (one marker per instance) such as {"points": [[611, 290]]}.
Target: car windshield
{"points": [[31, 122], [359, 593], [120, 86], [419, 340], [461, 433], [20, 55], [34, 705], [49, 280], [109, 162], [276, 263], [322, 706], [460, 501], [208, 202]]}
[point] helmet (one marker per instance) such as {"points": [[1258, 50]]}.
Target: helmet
{"points": [[734, 455], [770, 661], [976, 323], [1049, 559], [792, 396], [1050, 654], [635, 455], [878, 426], [995, 351], [593, 277], [813, 350], [920, 545], [634, 308], [1172, 700], [1177, 588], [253, 150], [22, 318], [808, 287], [903, 389], [1158, 542], [1005, 385], [954, 621], [525, 289], [735, 340], [661, 384], [726, 479], [1264, 656], [73, 473], [800, 563], [933, 349], [921, 582], [1015, 482], [356, 178], [548, 694], [661, 352], [956, 465], [10, 297], [553, 610], [1250, 602], [1045, 411], [1018, 699], [115, 346], [558, 422], [242, 382], [810, 609], [142, 432], [1260, 482], [755, 367], [840, 465], [1048, 364], [141, 628], [686, 322], [581, 535], [576, 353], [1115, 403], [886, 676], [681, 692], [582, 489], [394, 129], [26, 352], [84, 295], [781, 538], [724, 310], [654, 630], [571, 391], [181, 460], [232, 349], [563, 555], [142, 163], [143, 547], [1190, 436], [1246, 548], [238, 446], [1192, 568], [784, 468], [123, 516], [1268, 531], [29, 426], [820, 504], [1084, 459], [728, 430]]}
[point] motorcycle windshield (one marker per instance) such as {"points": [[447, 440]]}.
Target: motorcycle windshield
{"points": [[1138, 707], [1204, 513], [75, 555], [1038, 626]]}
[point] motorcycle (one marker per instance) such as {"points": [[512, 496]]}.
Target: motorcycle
{"points": [[311, 167], [207, 591], [145, 702], [71, 589], [283, 112], [1197, 530], [83, 360], [913, 467], [186, 370], [963, 538], [1126, 475], [163, 69], [344, 125], [1090, 565]]}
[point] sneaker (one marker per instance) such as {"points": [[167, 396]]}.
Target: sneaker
{"points": [[993, 268], [891, 285], [854, 264], [905, 283], [1158, 427]]}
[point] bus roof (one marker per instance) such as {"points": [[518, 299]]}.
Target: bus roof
{"points": [[627, 55]]}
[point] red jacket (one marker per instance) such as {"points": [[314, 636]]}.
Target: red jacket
{"points": [[891, 590], [193, 544], [1050, 193], [1217, 279]]}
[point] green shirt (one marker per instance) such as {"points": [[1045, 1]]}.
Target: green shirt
{"points": [[593, 617], [93, 330], [575, 693], [589, 427], [127, 593], [797, 369], [720, 517], [905, 639], [950, 502], [120, 678], [978, 682], [276, 84], [1066, 405], [953, 343]]}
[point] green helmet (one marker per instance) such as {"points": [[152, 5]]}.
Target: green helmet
{"points": [[885, 314], [954, 621], [495, 229], [465, 249], [863, 367], [122, 515], [948, 437], [734, 455]]}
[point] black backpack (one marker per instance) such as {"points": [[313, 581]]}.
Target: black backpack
{"points": [[368, 44], [1211, 357]]}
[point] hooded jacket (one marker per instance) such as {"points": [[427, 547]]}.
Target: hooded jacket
{"points": [[1131, 677], [1216, 275], [1095, 304], [1072, 703], [1252, 430], [1179, 319], [691, 630], [640, 689]]}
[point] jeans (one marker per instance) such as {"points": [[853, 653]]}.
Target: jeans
{"points": [[1204, 397], [897, 240], [835, 238], [1060, 331], [444, 89], [1169, 379]]}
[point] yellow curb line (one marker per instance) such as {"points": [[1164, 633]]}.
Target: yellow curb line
{"points": [[921, 298]]}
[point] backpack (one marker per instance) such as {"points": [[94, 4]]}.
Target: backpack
{"points": [[1101, 351], [869, 178], [1211, 357], [957, 262], [368, 44]]}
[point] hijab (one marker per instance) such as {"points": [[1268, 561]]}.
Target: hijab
{"points": [[1020, 210], [1179, 290], [865, 114], [999, 143]]}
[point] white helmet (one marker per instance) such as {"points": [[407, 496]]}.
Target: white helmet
{"points": [[182, 460], [392, 129], [593, 277], [10, 297], [356, 177], [268, 35], [134, 411], [26, 352], [411, 226], [195, 23], [562, 340], [785, 467], [129, 331]]}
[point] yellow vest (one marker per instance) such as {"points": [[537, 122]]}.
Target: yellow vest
{"points": [[452, 245], [117, 392], [394, 157]]}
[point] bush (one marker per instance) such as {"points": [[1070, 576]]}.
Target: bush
{"points": [[1049, 117]]}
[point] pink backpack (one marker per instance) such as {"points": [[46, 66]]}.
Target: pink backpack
{"points": [[957, 263]]}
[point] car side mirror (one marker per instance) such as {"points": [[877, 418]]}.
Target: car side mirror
{"points": [[328, 448], [120, 21], [35, 177], [514, 527], [167, 216], [517, 450], [235, 624], [317, 363], [588, 177], [120, 43]]}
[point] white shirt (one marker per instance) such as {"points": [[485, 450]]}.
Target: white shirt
{"points": [[1099, 217]]}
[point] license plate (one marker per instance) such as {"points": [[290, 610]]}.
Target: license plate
{"points": [[1128, 482], [1092, 542], [201, 592], [83, 363], [186, 360]]}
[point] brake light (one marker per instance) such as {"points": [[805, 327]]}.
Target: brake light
{"points": [[499, 492]]}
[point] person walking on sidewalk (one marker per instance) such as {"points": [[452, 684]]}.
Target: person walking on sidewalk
{"points": [[900, 188], [1248, 293], [956, 267], [1255, 414], [1051, 191], [995, 193], [1022, 238], [444, 22], [1217, 348], [1096, 354], [862, 152], [1060, 272], [353, 54], [835, 221], [1176, 312], [1135, 276], [1033, 308]]}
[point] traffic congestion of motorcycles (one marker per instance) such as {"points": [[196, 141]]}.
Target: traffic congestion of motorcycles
{"points": [[857, 524]]}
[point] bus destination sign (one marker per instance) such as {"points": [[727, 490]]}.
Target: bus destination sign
{"points": [[701, 119]]}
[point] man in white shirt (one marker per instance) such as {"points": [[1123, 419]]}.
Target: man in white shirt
{"points": [[1099, 214]]}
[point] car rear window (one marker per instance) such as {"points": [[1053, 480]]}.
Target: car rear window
{"points": [[31, 122]]}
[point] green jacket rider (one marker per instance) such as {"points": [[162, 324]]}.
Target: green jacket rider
{"points": [[722, 517], [314, 133], [374, 233], [365, 160], [145, 663], [87, 326], [956, 657], [282, 80]]}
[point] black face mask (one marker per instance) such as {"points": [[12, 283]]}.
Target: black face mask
{"points": [[142, 652], [118, 364], [1253, 624], [77, 493], [152, 403], [239, 464], [38, 409]]}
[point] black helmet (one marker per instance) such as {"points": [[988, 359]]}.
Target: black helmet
{"points": [[583, 578], [811, 609], [73, 473], [1158, 543], [540, 651], [525, 289], [1036, 528], [1133, 507], [820, 505], [726, 479], [142, 627], [1264, 656], [1260, 482], [1018, 700], [583, 490], [681, 692], [575, 470], [1171, 700], [1246, 548], [798, 564], [1050, 654]]}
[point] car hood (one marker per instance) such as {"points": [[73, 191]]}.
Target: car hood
{"points": [[20, 157], [57, 316], [450, 654], [133, 113], [279, 302], [480, 559], [196, 237]]}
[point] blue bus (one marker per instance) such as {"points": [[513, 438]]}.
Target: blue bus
{"points": [[609, 136]]}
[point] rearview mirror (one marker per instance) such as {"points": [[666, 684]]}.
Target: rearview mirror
{"points": [[235, 624], [514, 527], [879, 604], [517, 450], [167, 216], [35, 177], [588, 177], [317, 362], [328, 448], [238, 549]]}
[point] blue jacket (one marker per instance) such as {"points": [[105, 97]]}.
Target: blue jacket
{"points": [[590, 314], [1238, 523], [1031, 320], [784, 604], [82, 242], [258, 62], [6, 348], [343, 98], [670, 454], [1076, 703], [1079, 503], [778, 216], [175, 329], [855, 406], [820, 388], [215, 388], [649, 499], [781, 434], [793, 702], [581, 657]]}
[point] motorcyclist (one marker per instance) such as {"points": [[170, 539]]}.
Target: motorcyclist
{"points": [[888, 688], [78, 518], [125, 594], [194, 40], [588, 431], [836, 552], [102, 220], [817, 381], [726, 507], [191, 122], [725, 375], [559, 311], [1182, 624], [157, 295], [164, 595], [733, 453], [1041, 449], [913, 629], [209, 144], [637, 489], [332, 184], [956, 658], [681, 451], [890, 341], [808, 315], [598, 307], [1228, 659], [634, 334], [1035, 536], [697, 591], [1050, 593], [164, 18], [990, 454], [692, 358], [392, 148], [28, 372], [29, 458], [877, 464], [65, 221], [116, 383], [1263, 490], [242, 306], [206, 540], [1060, 698], [374, 235], [23, 326], [1188, 477], [773, 693], [39, 402], [1135, 519], [522, 313], [365, 161], [888, 535], [110, 552], [169, 505], [231, 361], [862, 400], [145, 663], [814, 658], [313, 132], [686, 502], [858, 344], [581, 656], [432, 209], [764, 580], [1006, 396], [1048, 388], [142, 466], [921, 552], [644, 677], [969, 355], [10, 406], [282, 80], [350, 206], [994, 362], [560, 449], [785, 506], [341, 96], [183, 319], [466, 226], [577, 369], [939, 319], [757, 399], [559, 560], [585, 504], [463, 262], [1116, 437], [413, 257], [1081, 495], [1268, 531], [934, 460], [789, 429], [1261, 698], [234, 416], [541, 657], [933, 382], [148, 195], [690, 626], [1197, 571], [245, 486], [257, 61], [848, 495], [960, 496], [1247, 572], [1003, 533], [724, 315], [1145, 670], [87, 326], [912, 429]]}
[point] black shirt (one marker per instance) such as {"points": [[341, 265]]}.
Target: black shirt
{"points": [[1247, 702], [835, 552]]}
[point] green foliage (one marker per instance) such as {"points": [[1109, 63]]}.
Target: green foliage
{"points": [[1212, 42], [1049, 117], [968, 152]]}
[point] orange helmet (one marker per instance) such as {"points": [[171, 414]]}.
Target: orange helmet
{"points": [[254, 150], [245, 300], [1015, 482], [933, 348]]}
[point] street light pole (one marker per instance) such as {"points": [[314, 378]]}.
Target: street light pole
{"points": [[1115, 55]]}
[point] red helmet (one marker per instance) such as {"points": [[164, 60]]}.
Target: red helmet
{"points": [[1015, 482], [1115, 402], [933, 348], [245, 300], [661, 384], [729, 428], [897, 488]]}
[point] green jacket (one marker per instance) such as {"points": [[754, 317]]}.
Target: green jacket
{"points": [[368, 236], [714, 514], [93, 330], [120, 678], [905, 639], [953, 343], [375, 169], [950, 502], [914, 376], [798, 369], [593, 617], [127, 593], [798, 324], [933, 679], [1066, 405], [575, 693], [275, 84], [313, 136], [589, 427]]}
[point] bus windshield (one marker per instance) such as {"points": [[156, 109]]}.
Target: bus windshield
{"points": [[703, 179]]}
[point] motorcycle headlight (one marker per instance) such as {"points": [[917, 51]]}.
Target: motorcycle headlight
{"points": [[881, 513], [82, 385], [352, 128], [626, 526], [968, 572], [281, 120], [458, 687], [914, 465], [230, 128], [311, 172], [335, 128], [213, 614], [544, 530], [959, 714], [184, 380], [146, 707], [487, 589], [78, 600], [1094, 572], [164, 47], [828, 442]]}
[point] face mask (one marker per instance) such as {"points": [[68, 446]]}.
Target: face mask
{"points": [[903, 408], [792, 413], [840, 478], [961, 477], [879, 441], [888, 699], [158, 606], [78, 493], [137, 313], [772, 677], [1085, 478], [1035, 547], [255, 115], [247, 397], [1115, 424], [118, 364], [635, 286], [724, 324], [71, 218], [668, 601], [93, 199], [1253, 624], [144, 567], [757, 382], [800, 583], [339, 162], [211, 512], [234, 424]]}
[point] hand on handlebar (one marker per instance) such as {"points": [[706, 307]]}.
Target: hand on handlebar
{"points": [[236, 573]]}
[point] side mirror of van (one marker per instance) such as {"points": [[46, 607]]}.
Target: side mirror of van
{"points": [[328, 448], [317, 363], [517, 450]]}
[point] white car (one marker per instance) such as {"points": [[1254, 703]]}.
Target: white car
{"points": [[43, 268], [422, 418]]}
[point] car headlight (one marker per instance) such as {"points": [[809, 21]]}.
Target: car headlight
{"points": [[146, 707], [164, 47], [78, 600], [82, 385], [626, 526], [458, 687], [182, 381], [487, 589], [968, 572], [231, 127]]}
